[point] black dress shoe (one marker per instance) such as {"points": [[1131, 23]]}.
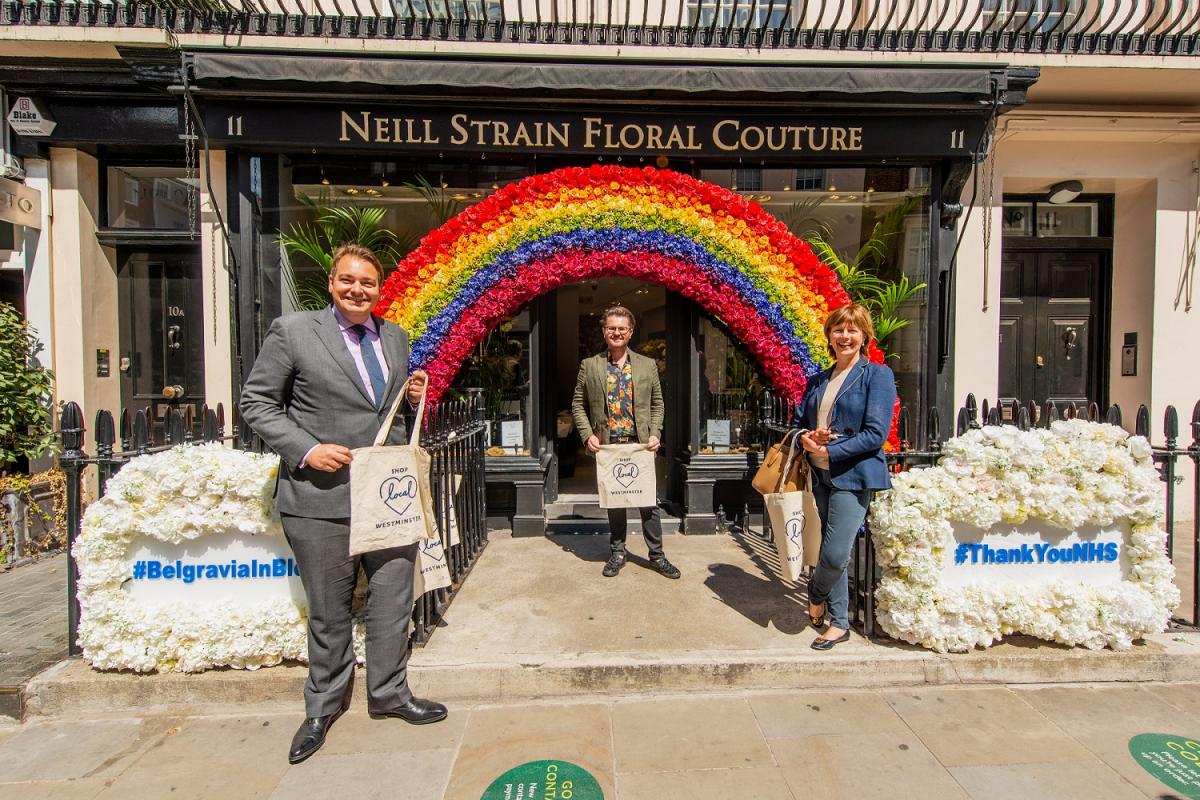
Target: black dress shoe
{"points": [[821, 643], [613, 565], [665, 567], [311, 735], [416, 711]]}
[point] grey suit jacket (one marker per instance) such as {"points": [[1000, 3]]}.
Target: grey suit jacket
{"points": [[305, 390], [590, 404]]}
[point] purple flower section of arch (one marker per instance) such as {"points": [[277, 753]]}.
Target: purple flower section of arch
{"points": [[507, 267]]}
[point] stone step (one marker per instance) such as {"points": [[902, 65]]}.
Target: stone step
{"points": [[72, 688]]}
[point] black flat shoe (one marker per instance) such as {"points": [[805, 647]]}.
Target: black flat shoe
{"points": [[821, 643], [416, 711], [816, 622]]}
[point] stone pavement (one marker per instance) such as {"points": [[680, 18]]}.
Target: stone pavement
{"points": [[33, 625], [987, 742]]}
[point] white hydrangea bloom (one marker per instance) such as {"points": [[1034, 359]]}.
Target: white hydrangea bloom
{"points": [[1076, 473]]}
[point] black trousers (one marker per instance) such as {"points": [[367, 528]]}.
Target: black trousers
{"points": [[651, 529]]}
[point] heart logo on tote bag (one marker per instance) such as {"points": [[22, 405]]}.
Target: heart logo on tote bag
{"points": [[795, 530], [398, 493], [626, 474]]}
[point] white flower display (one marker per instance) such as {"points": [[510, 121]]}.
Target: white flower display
{"points": [[176, 496], [1076, 473]]}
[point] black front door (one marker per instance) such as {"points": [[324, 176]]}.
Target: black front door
{"points": [[162, 345], [1048, 335]]}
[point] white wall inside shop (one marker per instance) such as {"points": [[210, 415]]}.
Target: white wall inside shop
{"points": [[84, 285], [214, 264]]}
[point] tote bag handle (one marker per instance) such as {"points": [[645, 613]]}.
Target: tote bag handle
{"points": [[414, 439], [794, 437]]}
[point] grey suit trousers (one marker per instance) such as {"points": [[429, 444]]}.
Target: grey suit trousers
{"points": [[329, 573]]}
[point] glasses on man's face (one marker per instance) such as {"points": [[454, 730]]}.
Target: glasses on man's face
{"points": [[617, 331]]}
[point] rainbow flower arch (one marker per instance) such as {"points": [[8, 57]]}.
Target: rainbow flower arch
{"points": [[707, 243]]}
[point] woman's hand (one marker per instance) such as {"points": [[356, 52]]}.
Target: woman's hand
{"points": [[823, 436], [810, 443]]}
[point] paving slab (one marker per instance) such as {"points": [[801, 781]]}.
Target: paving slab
{"points": [[498, 739], [683, 734], [368, 776], [1063, 781], [863, 765], [973, 727], [709, 784], [33, 625]]}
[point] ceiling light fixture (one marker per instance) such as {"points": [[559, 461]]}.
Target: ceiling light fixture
{"points": [[1064, 192]]}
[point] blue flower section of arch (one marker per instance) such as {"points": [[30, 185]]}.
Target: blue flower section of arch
{"points": [[507, 266]]}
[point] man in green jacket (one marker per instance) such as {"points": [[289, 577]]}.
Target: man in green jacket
{"points": [[618, 400]]}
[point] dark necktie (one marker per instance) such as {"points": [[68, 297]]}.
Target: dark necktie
{"points": [[371, 362]]}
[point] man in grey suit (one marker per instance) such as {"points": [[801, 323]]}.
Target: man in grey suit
{"points": [[321, 386], [618, 396]]}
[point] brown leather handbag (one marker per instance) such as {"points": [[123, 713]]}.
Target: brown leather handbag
{"points": [[769, 477]]}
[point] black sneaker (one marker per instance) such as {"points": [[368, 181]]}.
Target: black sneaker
{"points": [[665, 567], [614, 564]]}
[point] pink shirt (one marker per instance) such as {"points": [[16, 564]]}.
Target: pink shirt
{"points": [[351, 339]]}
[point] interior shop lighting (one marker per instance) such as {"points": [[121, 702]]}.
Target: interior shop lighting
{"points": [[1064, 192]]}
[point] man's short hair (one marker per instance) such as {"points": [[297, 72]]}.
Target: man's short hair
{"points": [[618, 311], [355, 250]]}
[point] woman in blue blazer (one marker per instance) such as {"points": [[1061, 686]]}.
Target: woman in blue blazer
{"points": [[846, 415]]}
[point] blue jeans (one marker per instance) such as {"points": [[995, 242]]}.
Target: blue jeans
{"points": [[842, 514]]}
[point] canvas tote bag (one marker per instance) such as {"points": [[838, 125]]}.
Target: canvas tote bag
{"points": [[391, 499], [625, 476], [793, 514], [766, 479]]}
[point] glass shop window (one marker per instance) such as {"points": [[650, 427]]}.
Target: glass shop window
{"points": [[152, 198], [731, 393], [871, 226], [499, 370]]}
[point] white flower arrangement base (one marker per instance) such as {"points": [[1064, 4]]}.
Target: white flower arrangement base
{"points": [[1075, 474], [175, 497]]}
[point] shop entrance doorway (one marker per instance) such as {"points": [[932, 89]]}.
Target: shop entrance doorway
{"points": [[161, 361], [1050, 345], [578, 308]]}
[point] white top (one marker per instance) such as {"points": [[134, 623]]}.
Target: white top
{"points": [[825, 409]]}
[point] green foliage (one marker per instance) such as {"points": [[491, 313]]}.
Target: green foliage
{"points": [[441, 205], [26, 392], [860, 273], [493, 367], [335, 223], [803, 221]]}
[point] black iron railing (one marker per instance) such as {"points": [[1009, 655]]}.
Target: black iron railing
{"points": [[863, 570], [453, 435], [1121, 27]]}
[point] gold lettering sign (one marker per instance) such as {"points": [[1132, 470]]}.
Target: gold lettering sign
{"points": [[599, 134]]}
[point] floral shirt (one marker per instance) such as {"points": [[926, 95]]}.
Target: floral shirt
{"points": [[620, 400]]}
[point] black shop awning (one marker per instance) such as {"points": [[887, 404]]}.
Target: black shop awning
{"points": [[908, 85]]}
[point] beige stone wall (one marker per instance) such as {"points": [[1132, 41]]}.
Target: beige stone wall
{"points": [[214, 263], [84, 286]]}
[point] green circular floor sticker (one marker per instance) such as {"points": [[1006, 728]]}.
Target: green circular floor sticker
{"points": [[545, 780], [1174, 760]]}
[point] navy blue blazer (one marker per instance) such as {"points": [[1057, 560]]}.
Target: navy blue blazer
{"points": [[862, 418]]}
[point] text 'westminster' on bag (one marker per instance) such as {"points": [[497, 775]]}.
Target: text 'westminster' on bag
{"points": [[625, 476], [391, 498]]}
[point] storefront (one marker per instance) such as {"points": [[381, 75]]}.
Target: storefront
{"points": [[870, 161]]}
